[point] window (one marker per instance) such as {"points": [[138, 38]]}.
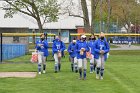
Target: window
{"points": [[65, 36]]}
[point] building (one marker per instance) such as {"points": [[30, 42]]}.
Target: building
{"points": [[138, 1]]}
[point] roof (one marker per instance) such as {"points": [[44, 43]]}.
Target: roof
{"points": [[22, 21]]}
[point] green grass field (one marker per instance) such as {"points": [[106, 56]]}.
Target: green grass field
{"points": [[121, 76], [136, 44]]}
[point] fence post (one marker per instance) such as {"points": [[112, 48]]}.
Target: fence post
{"points": [[1, 48]]}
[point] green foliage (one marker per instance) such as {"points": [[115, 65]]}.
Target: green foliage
{"points": [[9, 13], [120, 10], [40, 10], [125, 11]]}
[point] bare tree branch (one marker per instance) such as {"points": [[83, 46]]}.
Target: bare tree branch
{"points": [[77, 16], [18, 8]]}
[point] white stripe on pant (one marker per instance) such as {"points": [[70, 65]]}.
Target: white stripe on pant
{"points": [[100, 62]]}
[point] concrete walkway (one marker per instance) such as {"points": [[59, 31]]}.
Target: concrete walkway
{"points": [[126, 47], [18, 74]]}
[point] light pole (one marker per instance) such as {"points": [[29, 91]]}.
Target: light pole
{"points": [[103, 26], [33, 31]]}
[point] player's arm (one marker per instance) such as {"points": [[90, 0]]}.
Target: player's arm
{"points": [[107, 47], [95, 47]]}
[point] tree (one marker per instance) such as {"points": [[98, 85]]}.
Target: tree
{"points": [[127, 11], [86, 16], [101, 14], [94, 4], [107, 11], [108, 15], [42, 11]]}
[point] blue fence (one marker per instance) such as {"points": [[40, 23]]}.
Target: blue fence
{"points": [[10, 51], [124, 40]]}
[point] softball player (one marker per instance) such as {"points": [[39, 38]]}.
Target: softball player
{"points": [[42, 50], [75, 59], [58, 47], [82, 48], [72, 53], [129, 42], [101, 48], [92, 61]]}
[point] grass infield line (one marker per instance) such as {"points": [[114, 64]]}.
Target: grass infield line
{"points": [[130, 90]]}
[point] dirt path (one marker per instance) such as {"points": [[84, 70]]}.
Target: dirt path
{"points": [[18, 74]]}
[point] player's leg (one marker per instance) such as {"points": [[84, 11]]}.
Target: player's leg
{"points": [[44, 64], [80, 68], [94, 65], [91, 64], [75, 64], [56, 62], [72, 63], [98, 67], [85, 67], [59, 64], [39, 62], [102, 67]]}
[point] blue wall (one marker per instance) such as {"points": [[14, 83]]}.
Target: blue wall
{"points": [[124, 40], [10, 51]]}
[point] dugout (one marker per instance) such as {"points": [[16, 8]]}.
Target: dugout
{"points": [[8, 51], [15, 39]]}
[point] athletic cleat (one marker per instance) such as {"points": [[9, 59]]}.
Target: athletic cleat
{"points": [[80, 78], [84, 78], [39, 73], [44, 71], [101, 78], [55, 71], [91, 72], [97, 76]]}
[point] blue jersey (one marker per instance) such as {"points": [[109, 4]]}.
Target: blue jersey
{"points": [[72, 50], [58, 46], [101, 45], [77, 41], [43, 48], [90, 45], [80, 45]]}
